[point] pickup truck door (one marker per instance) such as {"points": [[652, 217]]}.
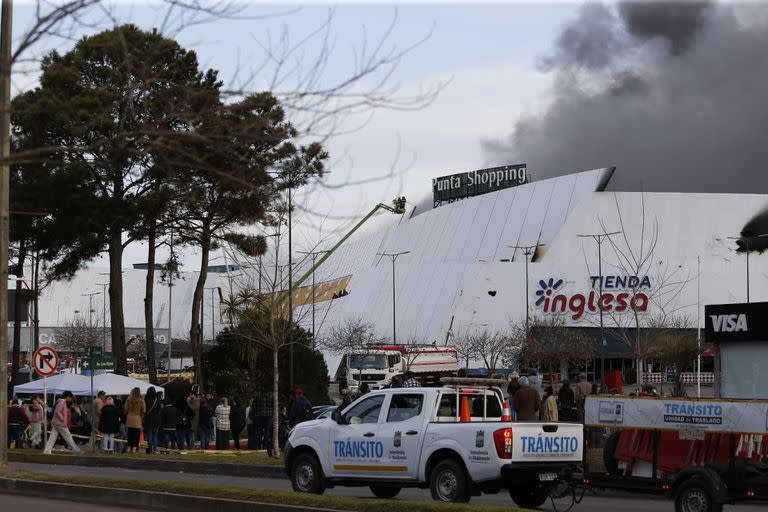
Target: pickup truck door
{"points": [[401, 430], [355, 451]]}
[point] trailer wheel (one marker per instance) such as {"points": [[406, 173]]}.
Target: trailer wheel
{"points": [[529, 497], [694, 496], [307, 475], [448, 482], [384, 492]]}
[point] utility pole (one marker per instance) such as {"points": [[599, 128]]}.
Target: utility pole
{"points": [[528, 251], [393, 256], [5, 170], [313, 255], [599, 238], [290, 282], [170, 271], [90, 307], [698, 326]]}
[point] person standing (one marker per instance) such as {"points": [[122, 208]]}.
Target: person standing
{"points": [[583, 389], [36, 412], [410, 381], [567, 402], [134, 409], [205, 423], [153, 404], [263, 427], [301, 409], [193, 402], [236, 421], [527, 401], [222, 425], [17, 423], [96, 406], [549, 406], [183, 434], [122, 431], [169, 420], [250, 429], [512, 389], [109, 425], [59, 424]]}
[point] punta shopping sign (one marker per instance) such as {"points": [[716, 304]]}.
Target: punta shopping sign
{"points": [[620, 294]]}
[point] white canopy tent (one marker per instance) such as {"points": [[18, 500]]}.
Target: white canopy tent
{"points": [[77, 384], [113, 384]]}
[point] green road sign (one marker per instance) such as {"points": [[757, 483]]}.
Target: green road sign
{"points": [[99, 363], [94, 352]]}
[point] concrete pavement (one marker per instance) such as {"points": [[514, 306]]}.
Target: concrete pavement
{"points": [[605, 503]]}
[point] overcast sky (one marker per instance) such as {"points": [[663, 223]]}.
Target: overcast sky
{"points": [[489, 55]]}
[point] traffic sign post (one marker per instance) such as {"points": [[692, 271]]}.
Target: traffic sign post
{"points": [[46, 361]]}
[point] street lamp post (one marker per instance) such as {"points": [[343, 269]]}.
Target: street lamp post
{"points": [[528, 251], [90, 307], [393, 256], [313, 255], [599, 238]]}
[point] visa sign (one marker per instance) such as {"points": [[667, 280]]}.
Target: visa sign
{"points": [[729, 323]]}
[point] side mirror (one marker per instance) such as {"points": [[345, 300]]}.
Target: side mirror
{"points": [[337, 417]]}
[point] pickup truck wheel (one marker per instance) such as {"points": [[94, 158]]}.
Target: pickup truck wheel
{"points": [[385, 492], [448, 482], [307, 475], [694, 496], [529, 497]]}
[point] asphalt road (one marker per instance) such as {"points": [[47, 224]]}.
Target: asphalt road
{"points": [[12, 502], [604, 503]]}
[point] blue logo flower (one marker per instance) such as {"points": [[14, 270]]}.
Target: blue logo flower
{"points": [[547, 288]]}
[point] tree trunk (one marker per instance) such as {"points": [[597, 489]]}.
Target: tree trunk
{"points": [[116, 302], [275, 402], [195, 336], [36, 300], [17, 316], [149, 298]]}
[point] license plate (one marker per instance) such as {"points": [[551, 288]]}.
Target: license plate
{"points": [[547, 477]]}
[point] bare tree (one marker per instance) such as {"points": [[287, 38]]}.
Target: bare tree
{"points": [[548, 343], [651, 308], [465, 348], [76, 336], [489, 346]]}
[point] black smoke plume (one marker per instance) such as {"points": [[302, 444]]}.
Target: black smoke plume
{"points": [[672, 93]]}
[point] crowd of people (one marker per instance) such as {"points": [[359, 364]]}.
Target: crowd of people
{"points": [[117, 425], [200, 420]]}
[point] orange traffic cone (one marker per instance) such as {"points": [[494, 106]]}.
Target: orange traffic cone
{"points": [[506, 414], [464, 415]]}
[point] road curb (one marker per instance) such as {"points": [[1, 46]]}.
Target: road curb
{"points": [[141, 500], [180, 466]]}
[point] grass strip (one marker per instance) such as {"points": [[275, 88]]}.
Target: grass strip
{"points": [[269, 496], [234, 458]]}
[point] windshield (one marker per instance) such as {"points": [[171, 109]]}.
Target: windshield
{"points": [[366, 361]]}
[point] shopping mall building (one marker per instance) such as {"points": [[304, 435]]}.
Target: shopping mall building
{"points": [[463, 265]]}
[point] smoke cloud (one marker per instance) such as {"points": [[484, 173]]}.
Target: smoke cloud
{"points": [[672, 93]]}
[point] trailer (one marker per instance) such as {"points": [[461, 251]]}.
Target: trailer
{"points": [[700, 453]]}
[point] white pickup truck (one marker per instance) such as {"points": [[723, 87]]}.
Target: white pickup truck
{"points": [[421, 437]]}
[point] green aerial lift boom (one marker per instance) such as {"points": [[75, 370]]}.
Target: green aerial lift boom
{"points": [[398, 207]]}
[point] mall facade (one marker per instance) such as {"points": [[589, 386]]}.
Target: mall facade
{"points": [[569, 250]]}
